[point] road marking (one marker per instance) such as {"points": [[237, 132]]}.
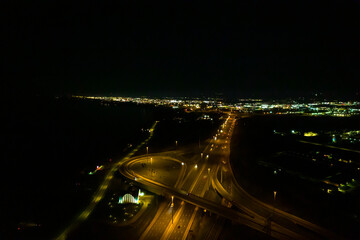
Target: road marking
{"points": [[186, 178], [190, 224], [197, 178], [160, 210], [171, 225], [181, 175]]}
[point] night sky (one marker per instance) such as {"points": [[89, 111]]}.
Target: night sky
{"points": [[188, 48]]}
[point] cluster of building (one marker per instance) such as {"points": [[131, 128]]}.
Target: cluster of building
{"points": [[338, 136], [189, 103], [351, 136], [334, 108], [315, 108]]}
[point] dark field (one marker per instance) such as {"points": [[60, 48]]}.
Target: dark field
{"points": [[50, 146], [264, 162]]}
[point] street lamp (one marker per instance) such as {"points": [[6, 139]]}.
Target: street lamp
{"points": [[274, 203], [176, 143], [150, 168], [202, 154], [147, 154], [209, 178], [172, 209]]}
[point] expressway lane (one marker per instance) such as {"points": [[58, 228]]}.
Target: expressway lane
{"points": [[252, 212], [180, 226], [160, 223], [196, 182], [180, 194], [198, 188], [234, 192], [228, 187], [183, 216], [216, 228], [203, 203], [189, 191], [164, 216]]}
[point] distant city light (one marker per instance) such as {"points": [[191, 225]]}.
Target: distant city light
{"points": [[315, 108], [310, 134]]}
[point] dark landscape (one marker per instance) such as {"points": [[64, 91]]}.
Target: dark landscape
{"points": [[285, 165], [180, 120]]}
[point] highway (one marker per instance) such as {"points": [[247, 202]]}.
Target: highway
{"points": [[202, 203], [189, 184], [102, 189], [177, 224], [213, 167], [239, 197]]}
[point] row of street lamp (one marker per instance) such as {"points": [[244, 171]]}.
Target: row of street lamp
{"points": [[147, 148], [209, 170], [182, 163]]}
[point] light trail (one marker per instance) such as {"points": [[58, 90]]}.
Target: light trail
{"points": [[255, 210], [100, 192]]}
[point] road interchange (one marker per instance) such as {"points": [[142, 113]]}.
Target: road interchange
{"points": [[249, 211]]}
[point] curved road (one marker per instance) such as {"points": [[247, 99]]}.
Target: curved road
{"points": [[251, 212]]}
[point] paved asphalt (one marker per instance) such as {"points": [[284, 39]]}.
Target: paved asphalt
{"points": [[213, 168]]}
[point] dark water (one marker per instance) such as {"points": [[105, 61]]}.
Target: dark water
{"points": [[50, 143]]}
